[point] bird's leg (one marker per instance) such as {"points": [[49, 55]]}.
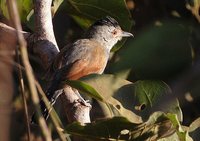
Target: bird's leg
{"points": [[81, 99]]}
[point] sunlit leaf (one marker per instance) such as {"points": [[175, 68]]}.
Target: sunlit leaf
{"points": [[84, 88], [110, 105], [116, 92], [132, 99], [183, 135]]}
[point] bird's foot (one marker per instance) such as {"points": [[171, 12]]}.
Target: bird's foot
{"points": [[81, 99], [85, 102]]}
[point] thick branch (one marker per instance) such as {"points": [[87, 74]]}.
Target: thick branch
{"points": [[45, 46], [43, 21], [74, 108]]}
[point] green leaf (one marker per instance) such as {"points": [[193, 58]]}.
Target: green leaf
{"points": [[3, 8], [150, 93], [88, 11], [182, 134], [116, 92], [158, 52], [120, 128], [24, 7], [110, 105], [107, 129], [84, 88], [125, 97]]}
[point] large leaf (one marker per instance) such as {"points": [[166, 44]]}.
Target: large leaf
{"points": [[87, 11], [157, 52], [126, 98], [120, 128], [150, 93], [103, 88], [141, 98]]}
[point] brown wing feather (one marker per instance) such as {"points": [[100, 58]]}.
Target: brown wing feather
{"points": [[90, 58], [94, 64], [76, 69]]}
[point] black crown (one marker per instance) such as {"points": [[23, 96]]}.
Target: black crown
{"points": [[109, 21]]}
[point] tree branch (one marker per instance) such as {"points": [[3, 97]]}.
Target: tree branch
{"points": [[11, 32], [45, 46], [74, 109]]}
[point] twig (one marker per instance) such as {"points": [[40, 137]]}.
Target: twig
{"points": [[5, 29], [57, 124], [24, 56], [21, 81]]}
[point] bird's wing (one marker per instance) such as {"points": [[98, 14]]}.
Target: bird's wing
{"points": [[82, 58], [81, 68]]}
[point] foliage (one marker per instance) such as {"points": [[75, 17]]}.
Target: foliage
{"points": [[119, 128], [149, 74], [24, 7]]}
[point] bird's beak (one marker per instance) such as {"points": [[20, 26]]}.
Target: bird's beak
{"points": [[127, 34]]}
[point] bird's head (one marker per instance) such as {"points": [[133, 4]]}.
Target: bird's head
{"points": [[107, 31]]}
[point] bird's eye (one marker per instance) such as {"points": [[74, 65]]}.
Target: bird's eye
{"points": [[114, 32]]}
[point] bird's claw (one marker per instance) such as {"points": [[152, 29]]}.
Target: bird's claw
{"points": [[85, 102]]}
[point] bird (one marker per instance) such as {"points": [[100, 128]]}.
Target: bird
{"points": [[87, 55]]}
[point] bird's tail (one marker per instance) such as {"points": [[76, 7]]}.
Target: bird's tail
{"points": [[52, 94]]}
